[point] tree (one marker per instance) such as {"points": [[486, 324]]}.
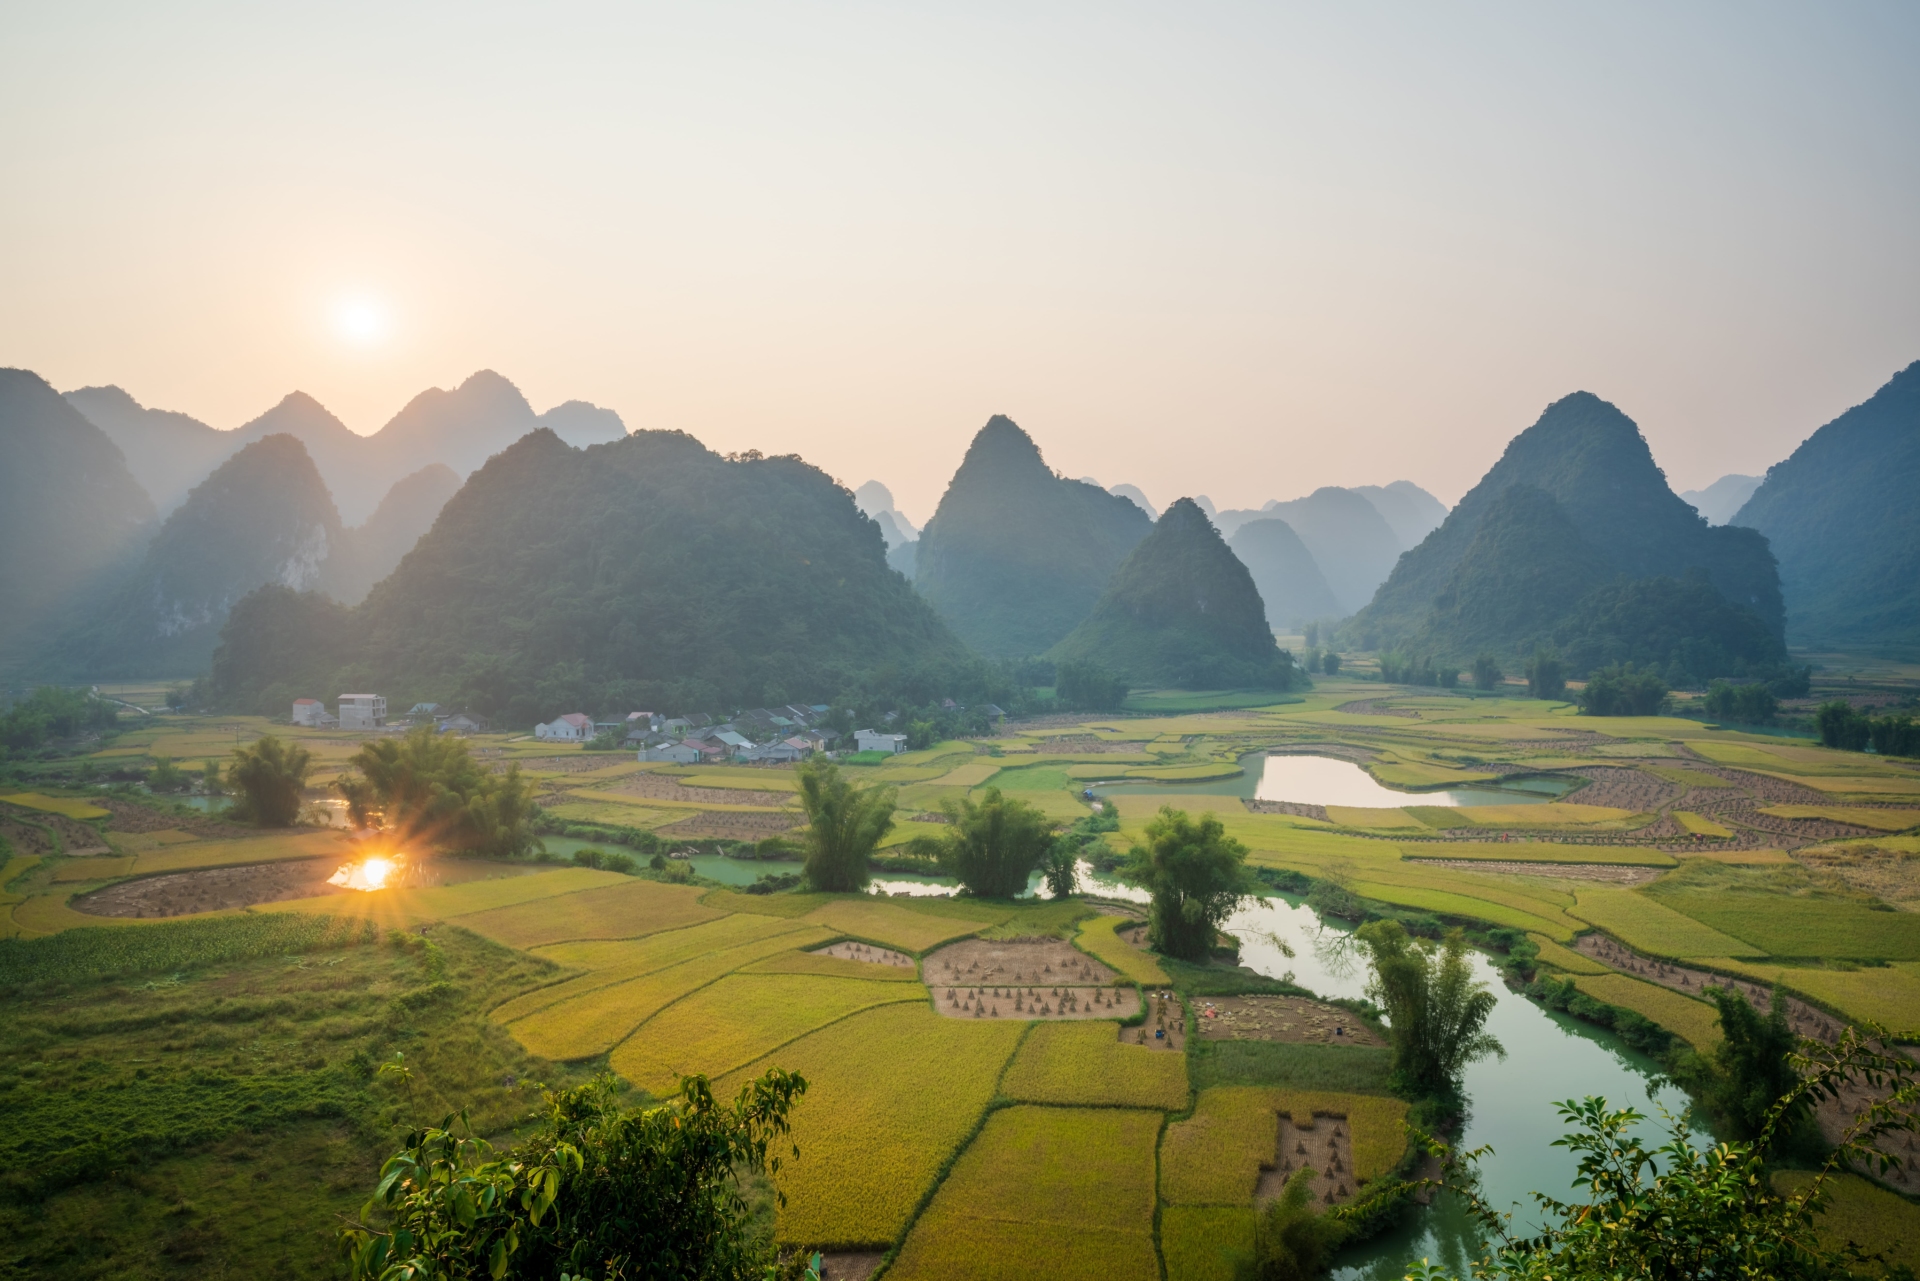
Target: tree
{"points": [[844, 824], [1197, 876], [1683, 1212], [1330, 663], [1619, 690], [1086, 686], [165, 776], [1062, 868], [1752, 1069], [1436, 1010], [1486, 672], [1290, 1241], [1750, 704], [594, 1192], [991, 847], [1545, 676], [270, 776], [427, 790], [1840, 726]]}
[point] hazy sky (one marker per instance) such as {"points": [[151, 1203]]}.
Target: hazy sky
{"points": [[1236, 249]]}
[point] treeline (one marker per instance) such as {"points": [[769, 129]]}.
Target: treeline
{"points": [[52, 712], [1851, 730]]}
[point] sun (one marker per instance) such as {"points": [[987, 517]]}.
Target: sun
{"points": [[362, 321]]}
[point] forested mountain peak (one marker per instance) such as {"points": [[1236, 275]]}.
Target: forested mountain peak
{"points": [[168, 452], [646, 572], [1182, 611], [1841, 516], [1284, 570], [1015, 556], [72, 517]]}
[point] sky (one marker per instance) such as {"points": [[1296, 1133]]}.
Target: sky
{"points": [[1235, 249]]}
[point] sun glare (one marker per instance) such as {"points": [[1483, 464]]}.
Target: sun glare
{"points": [[368, 874], [362, 321]]}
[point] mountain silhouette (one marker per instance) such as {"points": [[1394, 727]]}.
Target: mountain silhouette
{"points": [[1284, 572]]}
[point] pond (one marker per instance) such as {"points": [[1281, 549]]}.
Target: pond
{"points": [[1323, 780]]}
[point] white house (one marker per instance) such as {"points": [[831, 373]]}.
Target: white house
{"points": [[678, 753], [574, 727], [362, 711], [309, 711], [867, 740]]}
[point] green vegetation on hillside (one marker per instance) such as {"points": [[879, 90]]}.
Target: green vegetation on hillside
{"points": [[650, 572], [1016, 556], [1183, 612]]}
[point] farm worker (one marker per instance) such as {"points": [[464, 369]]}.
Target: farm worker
{"points": [[1159, 1034]]}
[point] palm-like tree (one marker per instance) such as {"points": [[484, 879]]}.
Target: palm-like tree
{"points": [[844, 824]]}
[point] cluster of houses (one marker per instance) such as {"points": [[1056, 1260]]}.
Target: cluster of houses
{"points": [[771, 735], [369, 711]]}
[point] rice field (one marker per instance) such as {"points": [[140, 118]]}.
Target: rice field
{"points": [[1648, 926], [831, 967], [874, 920], [1375, 818], [595, 1021], [1098, 940], [1214, 1156], [98, 868], [1777, 925], [1553, 814], [1701, 825], [1448, 903], [1870, 1216], [1205, 1242], [892, 1093], [276, 848], [1886, 994], [1545, 852], [621, 911], [65, 806], [1880, 820], [76, 955], [1087, 1063], [1696, 1021], [1565, 958], [405, 908], [1054, 1192], [737, 1019], [764, 904]]}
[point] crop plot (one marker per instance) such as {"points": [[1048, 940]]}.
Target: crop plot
{"points": [[880, 921], [848, 950], [1015, 961], [1696, 1021], [1087, 1063], [892, 1092], [65, 806], [1102, 937], [739, 1018], [281, 847], [1648, 926], [402, 908], [1053, 1192], [1206, 1242], [1218, 1155], [95, 868], [825, 962], [1293, 1019], [627, 910]]}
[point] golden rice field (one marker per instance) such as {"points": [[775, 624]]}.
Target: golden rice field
{"points": [[875, 920], [1695, 1021], [737, 1019], [276, 848], [832, 967], [1887, 994], [1214, 1156], [97, 868], [1646, 925], [1565, 958], [892, 1094], [402, 908], [621, 911], [1875, 1219], [1205, 1242], [1700, 824], [594, 1022], [1087, 1063], [1097, 939], [1882, 820], [1054, 1192], [65, 806]]}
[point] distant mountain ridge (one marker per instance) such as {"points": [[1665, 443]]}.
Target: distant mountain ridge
{"points": [[1285, 573], [72, 516], [1718, 502], [1572, 516], [461, 429], [1182, 611], [1843, 515], [1016, 556]]}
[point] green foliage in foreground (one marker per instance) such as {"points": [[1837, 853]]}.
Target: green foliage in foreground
{"points": [[1678, 1213], [270, 775], [1437, 1011], [1197, 875], [1753, 1069], [844, 825], [595, 1192], [79, 956], [427, 789], [993, 845]]}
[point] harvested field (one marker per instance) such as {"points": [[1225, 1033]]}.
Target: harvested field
{"points": [[1120, 941], [728, 825], [657, 787], [211, 890], [1004, 962], [737, 1019], [65, 806], [1874, 817], [1318, 1141], [29, 838], [1062, 1193], [1605, 873], [1887, 873], [1218, 1155], [52, 834], [1085, 1063], [1376, 707], [1638, 791], [892, 1092], [1052, 1002], [1082, 744], [130, 816], [1623, 963], [851, 951], [1280, 1018], [834, 967], [622, 911]]}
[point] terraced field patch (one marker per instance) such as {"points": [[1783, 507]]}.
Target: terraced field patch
{"points": [[626, 910], [1216, 1156], [1100, 938], [1777, 925], [66, 806], [401, 909], [878, 921], [739, 1018], [1880, 820], [1651, 927], [1087, 1063], [1694, 1020], [1054, 1192], [892, 1092]]}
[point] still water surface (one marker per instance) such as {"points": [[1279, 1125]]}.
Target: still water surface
{"points": [[1322, 780]]}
